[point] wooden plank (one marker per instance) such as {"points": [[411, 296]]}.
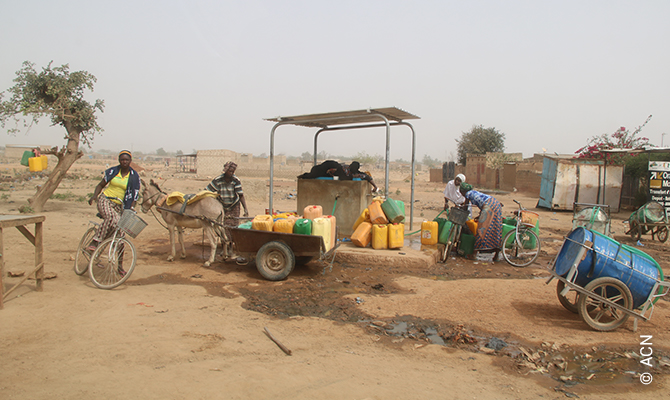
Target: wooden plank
{"points": [[26, 233], [26, 276], [10, 221], [39, 255], [19, 222]]}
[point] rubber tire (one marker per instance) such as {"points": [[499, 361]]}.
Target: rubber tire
{"points": [[275, 261], [83, 256], [588, 306], [635, 232], [452, 241], [565, 300], [662, 234], [510, 254], [109, 277]]}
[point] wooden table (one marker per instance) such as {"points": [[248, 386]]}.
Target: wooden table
{"points": [[19, 222]]}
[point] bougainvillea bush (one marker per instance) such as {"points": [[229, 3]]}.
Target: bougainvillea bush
{"points": [[620, 139]]}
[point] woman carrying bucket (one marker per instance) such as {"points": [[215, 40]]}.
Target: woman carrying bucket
{"points": [[489, 226]]}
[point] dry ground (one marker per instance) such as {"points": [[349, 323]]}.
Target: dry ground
{"points": [[177, 330]]}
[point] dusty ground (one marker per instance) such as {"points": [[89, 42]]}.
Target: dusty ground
{"points": [[177, 330]]}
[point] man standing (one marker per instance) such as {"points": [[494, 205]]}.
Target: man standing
{"points": [[229, 188]]}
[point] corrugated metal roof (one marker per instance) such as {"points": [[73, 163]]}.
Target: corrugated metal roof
{"points": [[323, 120]]}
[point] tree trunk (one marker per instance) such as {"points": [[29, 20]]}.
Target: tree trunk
{"points": [[67, 155]]}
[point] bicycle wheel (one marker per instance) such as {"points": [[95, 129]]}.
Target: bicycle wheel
{"points": [[452, 241], [524, 248], [83, 256], [112, 263]]}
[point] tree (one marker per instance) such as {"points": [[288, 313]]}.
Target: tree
{"points": [[479, 140], [620, 139], [431, 162], [161, 152], [58, 94]]}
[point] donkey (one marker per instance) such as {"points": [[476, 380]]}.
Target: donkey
{"points": [[208, 207]]}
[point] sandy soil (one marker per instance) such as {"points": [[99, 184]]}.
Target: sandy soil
{"points": [[178, 330]]}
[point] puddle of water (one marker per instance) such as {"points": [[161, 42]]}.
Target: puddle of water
{"points": [[433, 336], [598, 368]]}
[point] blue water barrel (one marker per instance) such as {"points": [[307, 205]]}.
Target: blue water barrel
{"points": [[609, 258]]}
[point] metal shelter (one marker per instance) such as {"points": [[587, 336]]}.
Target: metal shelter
{"points": [[343, 120]]}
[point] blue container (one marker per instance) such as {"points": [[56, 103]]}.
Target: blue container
{"points": [[609, 258]]}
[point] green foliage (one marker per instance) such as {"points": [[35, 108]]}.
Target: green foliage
{"points": [[68, 196], [620, 139], [26, 209], [5, 196], [56, 93], [161, 152], [480, 140], [637, 165]]}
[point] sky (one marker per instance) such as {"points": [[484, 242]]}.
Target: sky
{"points": [[203, 74]]}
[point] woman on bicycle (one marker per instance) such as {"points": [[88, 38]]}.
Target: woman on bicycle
{"points": [[489, 226], [122, 193]]}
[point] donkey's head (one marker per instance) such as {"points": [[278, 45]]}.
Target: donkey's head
{"points": [[150, 195]]}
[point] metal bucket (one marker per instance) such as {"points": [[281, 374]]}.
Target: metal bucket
{"points": [[609, 258]]}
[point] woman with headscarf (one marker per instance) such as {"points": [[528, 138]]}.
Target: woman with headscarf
{"points": [[121, 194], [489, 226], [229, 188], [452, 191]]}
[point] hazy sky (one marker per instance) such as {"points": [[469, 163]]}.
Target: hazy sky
{"points": [[185, 75]]}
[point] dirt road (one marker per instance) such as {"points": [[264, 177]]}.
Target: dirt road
{"points": [[177, 330]]}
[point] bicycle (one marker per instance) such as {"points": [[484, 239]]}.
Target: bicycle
{"points": [[521, 246], [83, 256], [113, 261]]}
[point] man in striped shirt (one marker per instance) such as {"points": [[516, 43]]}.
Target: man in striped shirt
{"points": [[229, 188]]}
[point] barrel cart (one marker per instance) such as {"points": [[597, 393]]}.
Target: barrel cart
{"points": [[606, 282], [592, 216], [277, 253], [651, 217]]}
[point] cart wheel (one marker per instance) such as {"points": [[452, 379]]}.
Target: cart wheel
{"points": [[662, 234], [275, 261], [599, 315], [635, 231], [569, 301]]}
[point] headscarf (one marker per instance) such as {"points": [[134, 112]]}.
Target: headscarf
{"points": [[461, 177], [466, 187], [122, 152], [353, 168], [228, 165]]}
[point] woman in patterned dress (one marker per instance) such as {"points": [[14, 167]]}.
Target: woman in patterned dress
{"points": [[489, 226]]}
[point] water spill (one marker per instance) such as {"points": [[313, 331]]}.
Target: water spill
{"points": [[434, 336], [570, 367]]}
